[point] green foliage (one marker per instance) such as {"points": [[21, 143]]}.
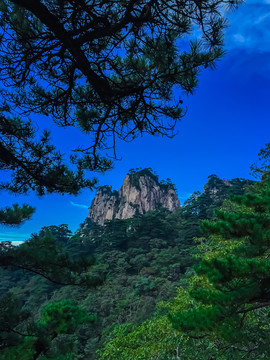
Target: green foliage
{"points": [[45, 256], [261, 170], [229, 295], [135, 175], [37, 340], [64, 317], [202, 206], [10, 317], [16, 215], [138, 263], [35, 164], [157, 339], [144, 342], [60, 232], [221, 311]]}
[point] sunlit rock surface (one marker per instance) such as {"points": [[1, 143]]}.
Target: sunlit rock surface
{"points": [[141, 191]]}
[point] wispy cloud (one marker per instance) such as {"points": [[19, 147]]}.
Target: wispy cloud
{"points": [[250, 27], [262, 18], [239, 38], [247, 39], [12, 236], [82, 206]]}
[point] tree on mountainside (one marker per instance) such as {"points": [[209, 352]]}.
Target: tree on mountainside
{"points": [[42, 339], [229, 297], [40, 259], [109, 68], [222, 310], [261, 170], [44, 255]]}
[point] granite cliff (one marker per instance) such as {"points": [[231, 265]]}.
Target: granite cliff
{"points": [[141, 191]]}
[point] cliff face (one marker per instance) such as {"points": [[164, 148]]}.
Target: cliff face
{"points": [[140, 192]]}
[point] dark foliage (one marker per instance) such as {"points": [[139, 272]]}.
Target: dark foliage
{"points": [[138, 262]]}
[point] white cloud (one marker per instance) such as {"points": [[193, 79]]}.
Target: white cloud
{"points": [[17, 243], [82, 206], [239, 38], [250, 28]]}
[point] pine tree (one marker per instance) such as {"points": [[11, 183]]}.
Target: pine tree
{"points": [[15, 214], [109, 68], [44, 255], [33, 340], [229, 297], [34, 165]]}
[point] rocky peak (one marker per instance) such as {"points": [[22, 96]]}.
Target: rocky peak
{"points": [[214, 185], [219, 189], [140, 192]]}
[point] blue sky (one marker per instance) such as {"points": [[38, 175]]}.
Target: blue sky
{"points": [[226, 125]]}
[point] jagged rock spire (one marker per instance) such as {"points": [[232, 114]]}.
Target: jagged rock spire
{"points": [[141, 192]]}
